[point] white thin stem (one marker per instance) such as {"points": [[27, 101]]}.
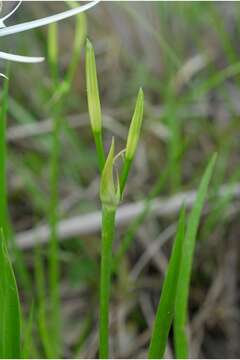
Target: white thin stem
{"points": [[19, 58], [45, 21], [11, 12]]}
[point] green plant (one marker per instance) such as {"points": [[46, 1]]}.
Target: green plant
{"points": [[10, 329], [111, 190], [180, 336], [165, 311], [16, 336], [10, 307], [174, 295]]}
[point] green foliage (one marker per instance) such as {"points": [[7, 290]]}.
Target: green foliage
{"points": [[180, 336], [191, 123], [3, 154], [166, 306], [9, 307]]}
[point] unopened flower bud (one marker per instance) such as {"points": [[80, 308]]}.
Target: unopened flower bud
{"points": [[109, 193], [135, 127], [94, 105]]}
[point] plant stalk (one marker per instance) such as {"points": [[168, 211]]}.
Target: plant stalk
{"points": [[108, 231], [124, 174], [100, 149]]}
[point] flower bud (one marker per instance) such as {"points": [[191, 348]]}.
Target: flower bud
{"points": [[109, 194], [135, 127], [94, 105]]}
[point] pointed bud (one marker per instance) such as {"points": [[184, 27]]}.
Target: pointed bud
{"points": [[135, 127], [109, 193], [94, 105]]}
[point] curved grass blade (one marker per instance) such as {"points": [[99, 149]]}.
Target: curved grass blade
{"points": [[165, 311], [180, 336], [9, 307]]}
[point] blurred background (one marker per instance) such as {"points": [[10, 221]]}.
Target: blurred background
{"points": [[185, 55]]}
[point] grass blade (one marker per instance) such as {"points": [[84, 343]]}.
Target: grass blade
{"points": [[53, 253], [180, 337], [9, 307], [165, 311], [3, 154]]}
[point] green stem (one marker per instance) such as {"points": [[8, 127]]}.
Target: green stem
{"points": [[124, 175], [108, 230], [53, 246], [100, 149]]}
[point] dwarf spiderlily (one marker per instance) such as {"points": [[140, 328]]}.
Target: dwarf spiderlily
{"points": [[10, 325], [13, 29]]}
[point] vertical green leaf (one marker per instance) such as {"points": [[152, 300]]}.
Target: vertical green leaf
{"points": [[165, 311], [180, 336], [9, 307], [3, 154], [53, 274]]}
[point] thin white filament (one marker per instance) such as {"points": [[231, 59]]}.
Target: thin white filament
{"points": [[45, 21], [19, 58], [10, 13], [4, 76]]}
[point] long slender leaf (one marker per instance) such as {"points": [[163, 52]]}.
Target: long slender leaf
{"points": [[9, 307], [3, 155], [180, 336], [166, 304]]}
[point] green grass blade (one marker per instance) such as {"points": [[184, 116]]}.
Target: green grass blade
{"points": [[180, 337], [28, 346], [165, 311], [41, 308], [3, 151], [53, 258], [9, 307]]}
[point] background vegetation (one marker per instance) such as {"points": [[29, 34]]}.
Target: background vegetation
{"points": [[186, 58]]}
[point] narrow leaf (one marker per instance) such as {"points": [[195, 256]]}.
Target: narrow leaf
{"points": [[180, 336], [9, 307], [165, 311]]}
